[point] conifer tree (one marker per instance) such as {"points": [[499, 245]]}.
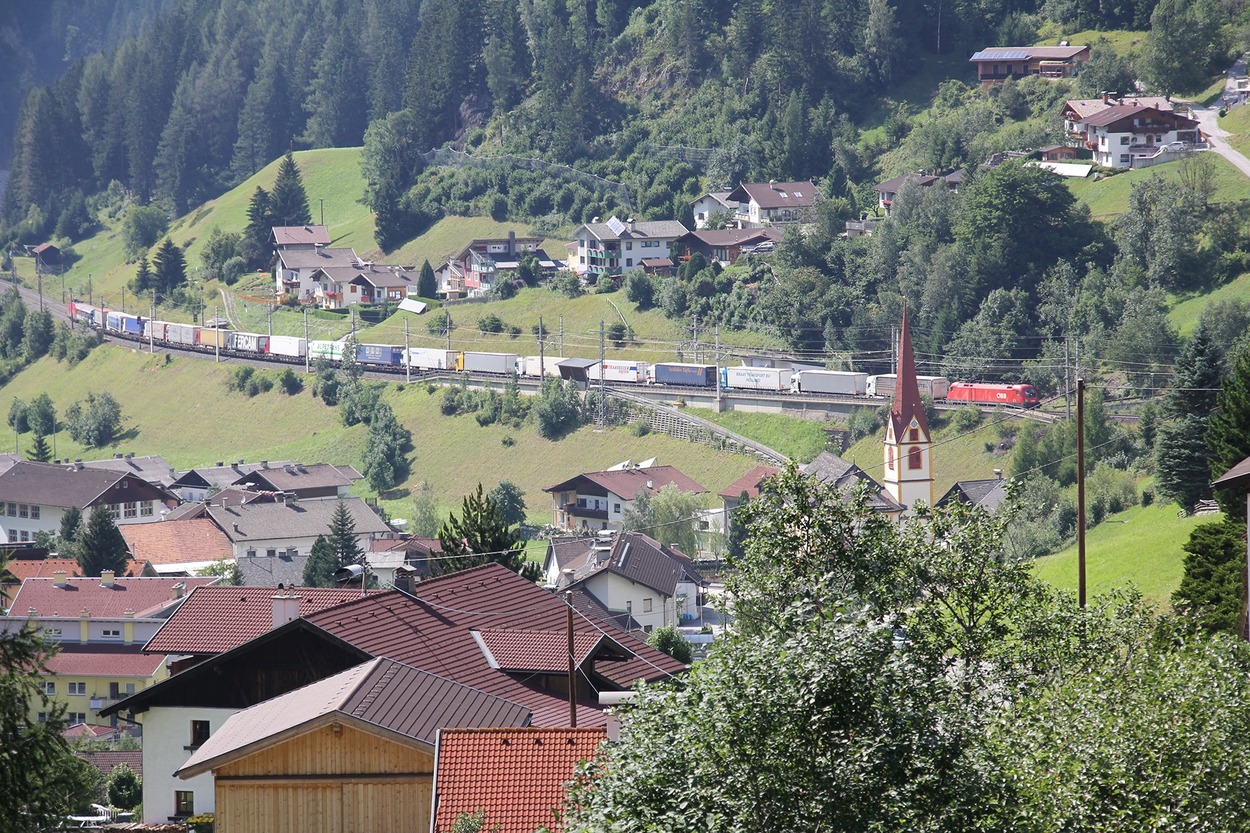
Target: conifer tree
{"points": [[102, 546], [255, 244], [342, 537], [40, 452], [1182, 458], [1228, 433], [71, 524], [427, 284], [322, 564], [288, 203], [170, 267], [144, 279], [480, 535]]}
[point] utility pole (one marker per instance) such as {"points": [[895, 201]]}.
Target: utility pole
{"points": [[696, 339], [124, 299], [272, 310], [716, 361], [407, 353], [603, 356], [39, 275], [62, 287], [151, 343], [542, 355], [307, 352], [568, 601], [447, 326], [217, 337], [1080, 490], [1067, 377], [561, 334], [323, 209], [352, 311]]}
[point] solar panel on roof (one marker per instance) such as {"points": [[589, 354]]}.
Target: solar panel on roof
{"points": [[616, 225], [1001, 55]]}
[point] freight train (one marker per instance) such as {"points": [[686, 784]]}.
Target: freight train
{"points": [[397, 359]]}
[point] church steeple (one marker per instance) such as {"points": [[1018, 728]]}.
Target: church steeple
{"points": [[908, 463]]}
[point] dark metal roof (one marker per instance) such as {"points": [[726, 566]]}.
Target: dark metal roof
{"points": [[846, 477], [988, 494], [1238, 475]]}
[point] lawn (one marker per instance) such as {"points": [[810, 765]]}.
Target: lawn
{"points": [[801, 439], [1184, 315], [180, 408], [1139, 547], [1109, 196], [1121, 41]]}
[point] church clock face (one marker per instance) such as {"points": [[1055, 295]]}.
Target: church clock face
{"points": [[914, 423]]}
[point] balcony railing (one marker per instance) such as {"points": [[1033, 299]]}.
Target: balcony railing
{"points": [[576, 511]]}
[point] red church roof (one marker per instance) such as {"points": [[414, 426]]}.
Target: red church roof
{"points": [[907, 405]]}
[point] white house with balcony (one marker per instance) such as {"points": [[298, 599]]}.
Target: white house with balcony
{"points": [[1131, 133], [34, 497], [773, 203], [618, 247], [598, 500]]}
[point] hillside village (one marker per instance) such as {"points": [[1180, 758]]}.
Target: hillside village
{"points": [[842, 641]]}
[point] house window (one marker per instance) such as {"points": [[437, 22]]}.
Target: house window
{"points": [[75, 717], [616, 507], [913, 457], [646, 605], [1124, 140], [49, 688], [131, 510], [12, 510], [147, 508], [1123, 158], [251, 553], [913, 435], [112, 633], [53, 631], [34, 513], [130, 689], [647, 628], [199, 732], [629, 246], [23, 511], [42, 717], [184, 803], [25, 536], [629, 607], [889, 458], [78, 689], [271, 553], [114, 511], [629, 261]]}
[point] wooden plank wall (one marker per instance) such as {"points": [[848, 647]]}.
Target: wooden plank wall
{"points": [[322, 752]]}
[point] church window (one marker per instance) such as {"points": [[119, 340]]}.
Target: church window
{"points": [[913, 457], [913, 435], [889, 458]]}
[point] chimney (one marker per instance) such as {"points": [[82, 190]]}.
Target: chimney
{"points": [[220, 464], [117, 455], [772, 183], [106, 578], [285, 608], [130, 455], [128, 613], [650, 484], [236, 526], [178, 590], [630, 223], [60, 578], [264, 464], [404, 580], [78, 465]]}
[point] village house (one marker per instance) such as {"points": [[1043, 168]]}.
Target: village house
{"points": [[888, 190], [773, 203], [290, 526], [709, 205], [294, 269], [1130, 133], [450, 626], [630, 573], [998, 63], [181, 547], [989, 495], [747, 485], [619, 247], [299, 238], [339, 287], [153, 468], [317, 481], [35, 496], [195, 484], [725, 246], [479, 267], [598, 500], [99, 625]]}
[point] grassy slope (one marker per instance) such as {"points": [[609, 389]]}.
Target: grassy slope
{"points": [[181, 409], [1122, 41], [799, 438], [1140, 546], [1184, 316], [1109, 196], [1237, 122]]}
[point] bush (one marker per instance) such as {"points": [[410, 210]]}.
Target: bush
{"points": [[569, 284], [490, 324], [616, 332], [1147, 497], [289, 382], [241, 376], [125, 789], [966, 418]]}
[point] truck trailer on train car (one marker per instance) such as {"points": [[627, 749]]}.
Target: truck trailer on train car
{"points": [[428, 358], [843, 382], [756, 378], [685, 374], [385, 355], [329, 350], [935, 387], [619, 370], [536, 366], [499, 363], [1023, 396], [254, 343], [293, 347]]}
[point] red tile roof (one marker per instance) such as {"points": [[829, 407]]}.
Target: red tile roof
{"points": [[216, 619], [140, 595], [104, 661], [516, 650], [24, 568], [749, 483], [177, 542], [516, 776], [106, 760], [433, 632]]}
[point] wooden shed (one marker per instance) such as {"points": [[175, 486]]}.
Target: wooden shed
{"points": [[352, 752]]}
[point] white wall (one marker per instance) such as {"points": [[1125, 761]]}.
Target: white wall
{"points": [[619, 595], [166, 734]]}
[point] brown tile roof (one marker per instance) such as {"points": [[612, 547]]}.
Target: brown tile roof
{"points": [[749, 483], [293, 477], [516, 776], [24, 568], [1084, 107], [326, 258], [832, 470], [153, 469], [734, 236], [307, 235], [1238, 475], [139, 594], [1124, 111], [52, 485], [76, 660], [263, 521], [641, 559], [218, 618], [906, 405], [177, 542], [630, 483], [221, 475], [404, 701], [522, 651], [106, 760], [432, 631], [769, 195]]}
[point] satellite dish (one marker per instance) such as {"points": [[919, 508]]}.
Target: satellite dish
{"points": [[351, 574]]}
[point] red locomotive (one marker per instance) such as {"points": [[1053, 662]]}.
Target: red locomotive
{"points": [[1023, 396]]}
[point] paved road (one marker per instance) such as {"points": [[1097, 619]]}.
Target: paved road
{"points": [[1208, 120]]}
